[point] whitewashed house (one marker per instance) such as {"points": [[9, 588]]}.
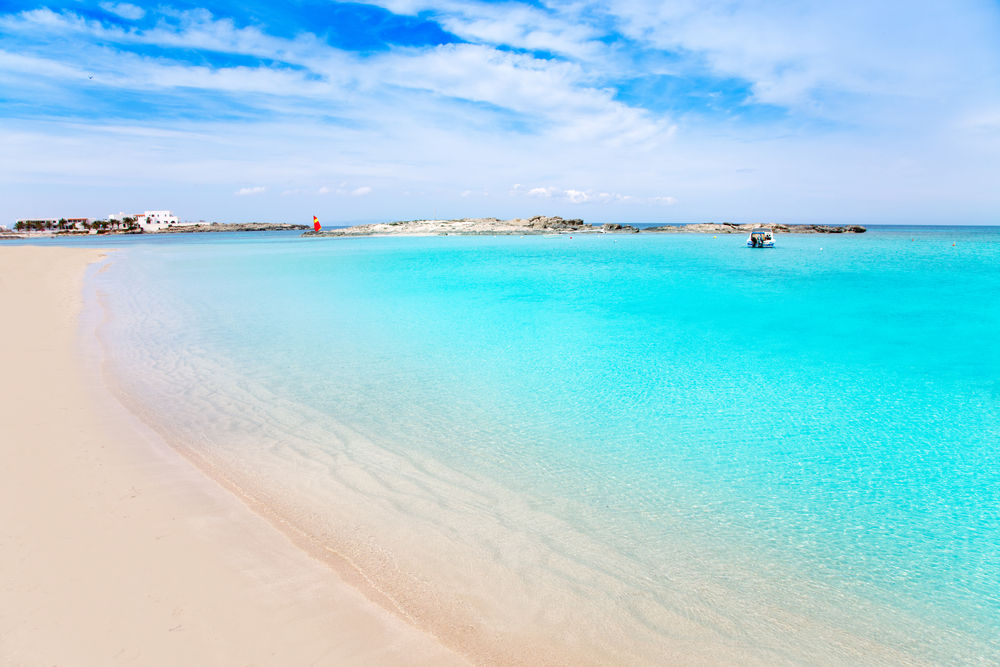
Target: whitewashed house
{"points": [[148, 220]]}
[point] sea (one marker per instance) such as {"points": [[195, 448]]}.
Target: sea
{"points": [[602, 448]]}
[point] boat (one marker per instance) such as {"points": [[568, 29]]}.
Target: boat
{"points": [[760, 237]]}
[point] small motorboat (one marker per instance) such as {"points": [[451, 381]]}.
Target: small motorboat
{"points": [[760, 237]]}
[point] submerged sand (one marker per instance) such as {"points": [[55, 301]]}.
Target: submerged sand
{"points": [[114, 549]]}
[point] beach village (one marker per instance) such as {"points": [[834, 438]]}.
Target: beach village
{"points": [[146, 221]]}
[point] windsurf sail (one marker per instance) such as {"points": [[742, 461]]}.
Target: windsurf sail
{"points": [[316, 224]]}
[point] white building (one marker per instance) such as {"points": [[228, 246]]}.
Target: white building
{"points": [[150, 217], [148, 220], [159, 218]]}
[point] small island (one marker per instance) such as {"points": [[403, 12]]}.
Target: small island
{"points": [[541, 225], [537, 225]]}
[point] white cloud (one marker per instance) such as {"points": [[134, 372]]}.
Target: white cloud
{"points": [[553, 96], [125, 10], [808, 53], [907, 111], [37, 67], [195, 29], [510, 24], [579, 196], [242, 192], [361, 192], [554, 93]]}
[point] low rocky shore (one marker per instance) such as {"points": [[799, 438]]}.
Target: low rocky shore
{"points": [[172, 229], [556, 225], [733, 228], [538, 225], [230, 227], [465, 226]]}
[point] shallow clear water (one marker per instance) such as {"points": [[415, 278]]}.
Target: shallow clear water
{"points": [[638, 447]]}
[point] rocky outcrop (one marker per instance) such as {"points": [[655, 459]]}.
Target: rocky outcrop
{"points": [[539, 224], [733, 228], [834, 229], [555, 225], [231, 227], [612, 227]]}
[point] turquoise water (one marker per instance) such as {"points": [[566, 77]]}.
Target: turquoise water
{"points": [[638, 448]]}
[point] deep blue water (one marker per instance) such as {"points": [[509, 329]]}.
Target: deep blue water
{"points": [[782, 447]]}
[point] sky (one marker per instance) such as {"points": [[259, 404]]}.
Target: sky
{"points": [[611, 111]]}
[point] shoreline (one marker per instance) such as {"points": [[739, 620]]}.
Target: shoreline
{"points": [[536, 226], [353, 527], [186, 228], [117, 549], [699, 582], [553, 226]]}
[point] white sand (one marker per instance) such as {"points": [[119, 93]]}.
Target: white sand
{"points": [[115, 550]]}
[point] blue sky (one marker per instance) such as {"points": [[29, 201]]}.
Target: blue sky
{"points": [[635, 110]]}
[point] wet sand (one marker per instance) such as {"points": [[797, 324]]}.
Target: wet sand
{"points": [[114, 549]]}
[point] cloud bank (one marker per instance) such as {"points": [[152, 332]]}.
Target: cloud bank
{"points": [[633, 110]]}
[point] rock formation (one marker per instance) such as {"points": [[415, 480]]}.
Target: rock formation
{"points": [[466, 226], [733, 228], [615, 227], [231, 227], [555, 225]]}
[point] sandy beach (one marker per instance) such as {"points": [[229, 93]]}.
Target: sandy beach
{"points": [[115, 550]]}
